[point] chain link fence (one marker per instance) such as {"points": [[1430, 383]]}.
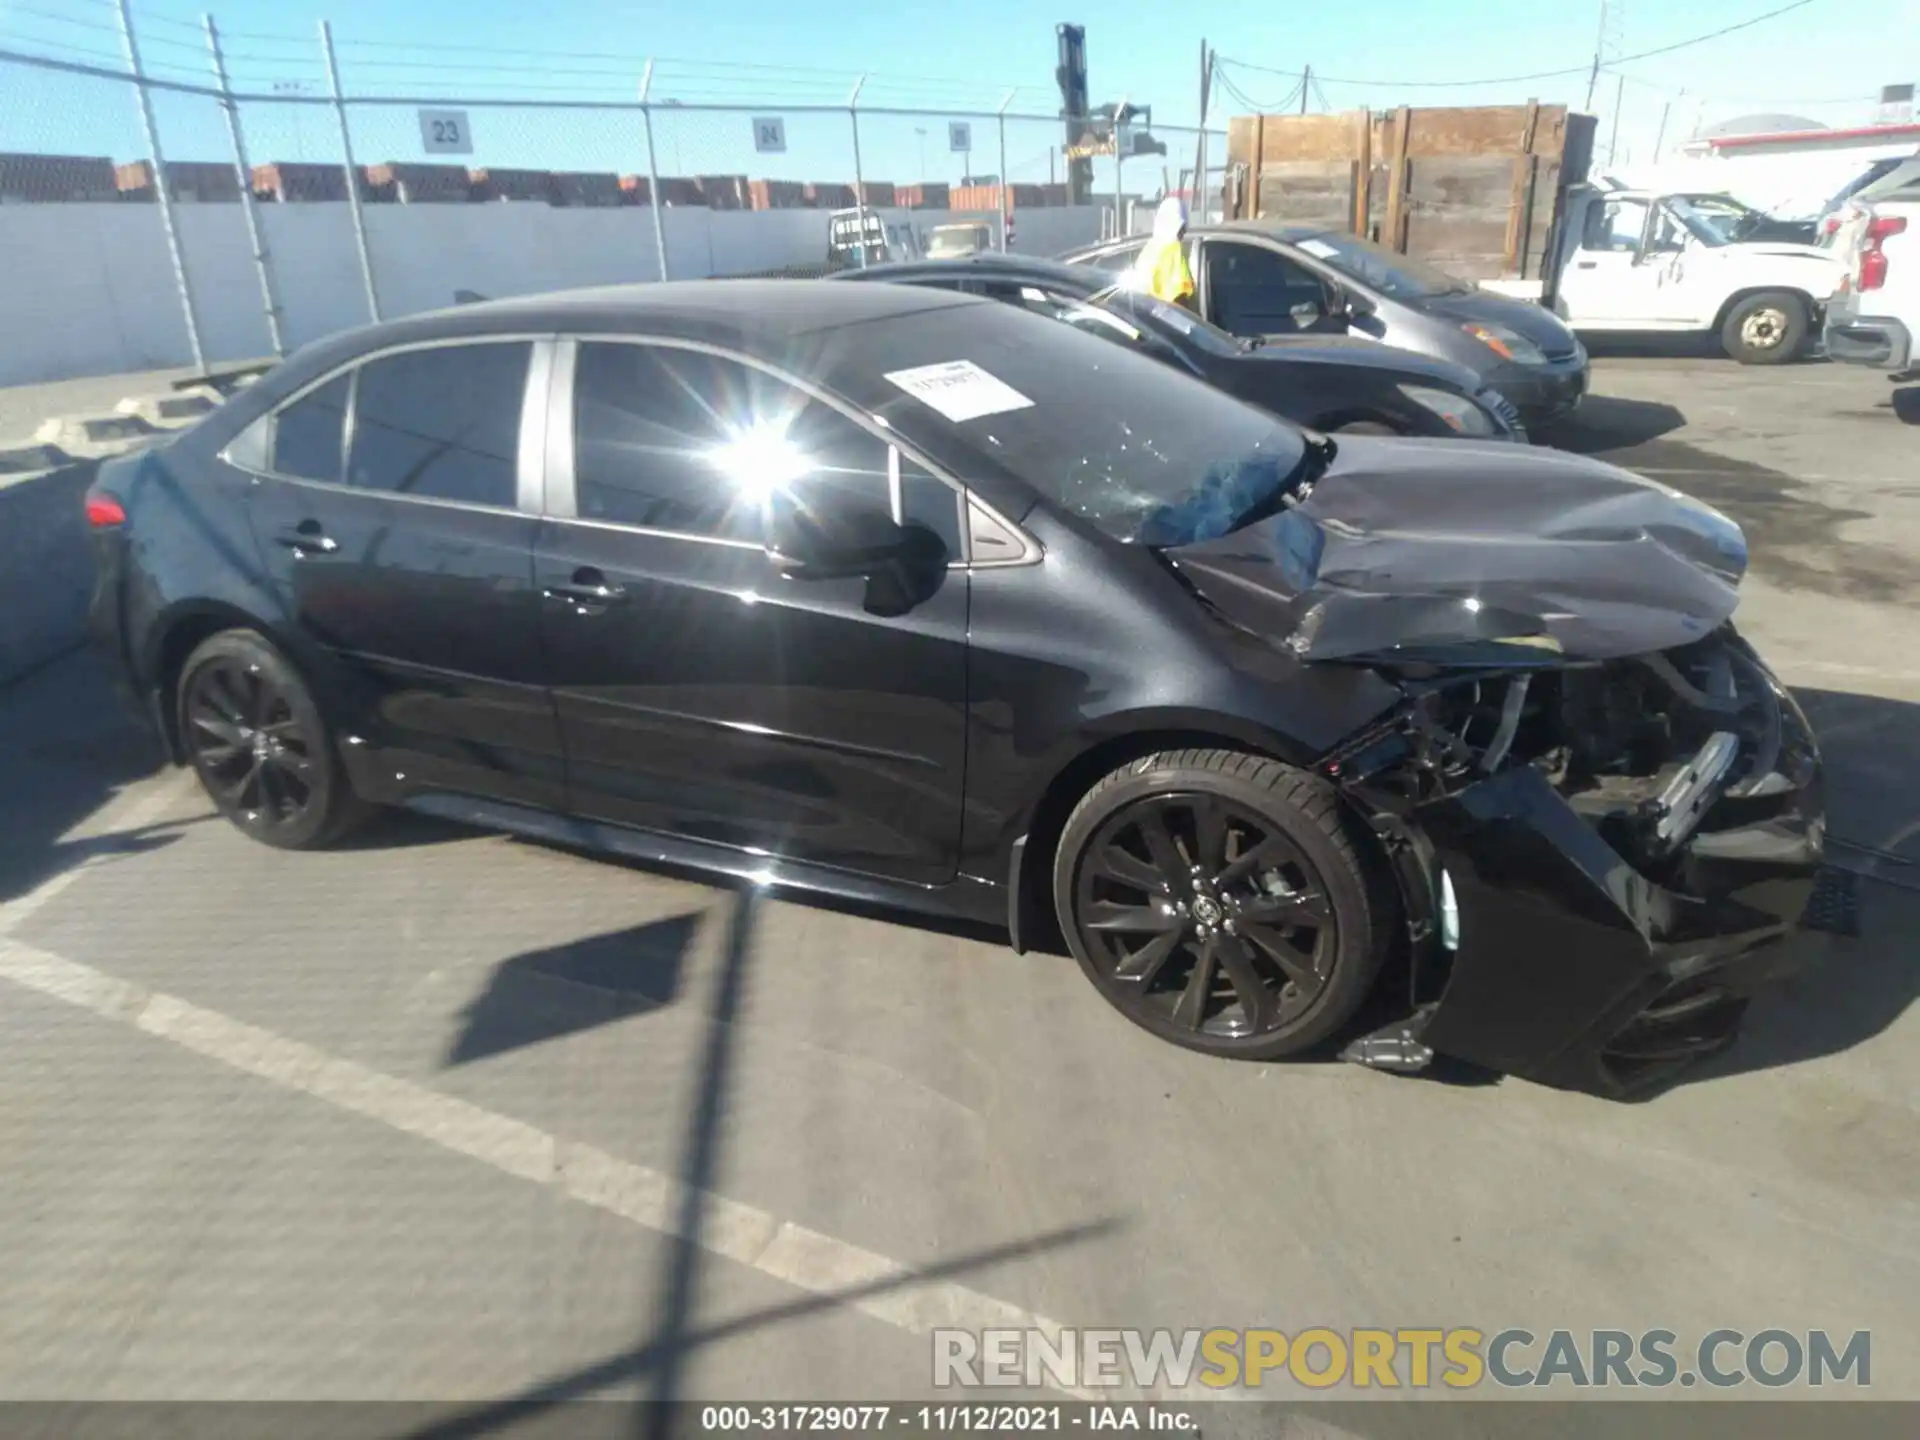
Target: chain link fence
{"points": [[292, 208]]}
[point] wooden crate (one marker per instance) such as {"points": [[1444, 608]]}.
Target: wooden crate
{"points": [[1472, 188]]}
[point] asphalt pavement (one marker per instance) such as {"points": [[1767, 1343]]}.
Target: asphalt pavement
{"points": [[442, 1115]]}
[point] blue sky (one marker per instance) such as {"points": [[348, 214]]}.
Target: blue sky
{"points": [[1824, 59]]}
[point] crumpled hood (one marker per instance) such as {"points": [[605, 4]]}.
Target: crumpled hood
{"points": [[1408, 545]]}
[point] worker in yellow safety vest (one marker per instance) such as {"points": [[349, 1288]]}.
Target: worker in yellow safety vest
{"points": [[1161, 268]]}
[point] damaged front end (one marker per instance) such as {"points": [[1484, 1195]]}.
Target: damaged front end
{"points": [[1599, 859]]}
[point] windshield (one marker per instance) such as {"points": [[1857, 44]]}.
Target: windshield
{"points": [[1715, 219], [1395, 276], [1101, 431]]}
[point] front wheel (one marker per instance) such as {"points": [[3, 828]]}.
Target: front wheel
{"points": [[1221, 901], [1766, 329]]}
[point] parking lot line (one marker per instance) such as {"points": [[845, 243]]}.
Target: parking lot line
{"points": [[793, 1254]]}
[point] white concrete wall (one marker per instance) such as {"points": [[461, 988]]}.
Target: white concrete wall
{"points": [[88, 289]]}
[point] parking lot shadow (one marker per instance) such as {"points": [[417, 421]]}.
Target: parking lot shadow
{"points": [[66, 749], [1605, 423], [1851, 987], [545, 994]]}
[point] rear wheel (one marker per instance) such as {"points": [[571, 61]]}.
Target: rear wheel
{"points": [[255, 737], [1219, 900], [1766, 329]]}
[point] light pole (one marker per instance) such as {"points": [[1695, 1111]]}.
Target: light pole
{"points": [[921, 131]]}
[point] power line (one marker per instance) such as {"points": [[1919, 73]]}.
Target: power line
{"points": [[1546, 74], [66, 49], [54, 17]]}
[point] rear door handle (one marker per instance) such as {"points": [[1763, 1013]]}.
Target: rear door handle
{"points": [[1586, 264], [588, 587], [307, 538]]}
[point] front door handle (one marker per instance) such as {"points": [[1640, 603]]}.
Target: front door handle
{"points": [[307, 538], [1586, 264], [587, 587]]}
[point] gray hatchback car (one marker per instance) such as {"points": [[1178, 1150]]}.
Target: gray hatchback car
{"points": [[1260, 278]]}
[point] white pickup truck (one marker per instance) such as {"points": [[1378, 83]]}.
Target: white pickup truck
{"points": [[1876, 316], [1637, 261]]}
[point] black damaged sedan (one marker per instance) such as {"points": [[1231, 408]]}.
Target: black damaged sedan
{"points": [[912, 597]]}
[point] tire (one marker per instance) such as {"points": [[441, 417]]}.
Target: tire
{"points": [[255, 738], [1367, 427], [1766, 329], [1285, 905]]}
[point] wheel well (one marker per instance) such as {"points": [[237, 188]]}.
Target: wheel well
{"points": [[1039, 929], [1325, 424], [182, 637], [1734, 299]]}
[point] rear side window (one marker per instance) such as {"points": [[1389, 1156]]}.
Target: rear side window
{"points": [[1115, 260], [695, 444], [442, 423], [307, 434]]}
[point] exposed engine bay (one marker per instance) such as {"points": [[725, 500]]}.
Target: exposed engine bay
{"points": [[1692, 777]]}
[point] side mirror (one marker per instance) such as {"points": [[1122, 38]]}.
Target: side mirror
{"points": [[1357, 307]]}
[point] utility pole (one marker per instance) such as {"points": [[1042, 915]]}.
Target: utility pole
{"points": [[1660, 136], [1200, 143], [1306, 79], [1619, 100], [1599, 49]]}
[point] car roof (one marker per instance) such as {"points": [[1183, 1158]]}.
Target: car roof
{"points": [[985, 262], [757, 317], [769, 309], [1274, 229]]}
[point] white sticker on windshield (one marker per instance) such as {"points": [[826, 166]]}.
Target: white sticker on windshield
{"points": [[1319, 248], [959, 389]]}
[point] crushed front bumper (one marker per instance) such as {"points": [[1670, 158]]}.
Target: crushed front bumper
{"points": [[1576, 969]]}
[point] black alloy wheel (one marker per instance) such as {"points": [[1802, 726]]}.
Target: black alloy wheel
{"points": [[1217, 900], [255, 738]]}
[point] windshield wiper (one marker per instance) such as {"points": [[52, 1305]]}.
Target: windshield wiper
{"points": [[1299, 485], [1320, 452]]}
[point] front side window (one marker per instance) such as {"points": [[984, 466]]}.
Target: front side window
{"points": [[1257, 291], [699, 444], [307, 434], [1618, 227], [441, 423]]}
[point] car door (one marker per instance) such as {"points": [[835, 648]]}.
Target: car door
{"points": [[701, 692], [396, 524], [1604, 284], [1254, 290]]}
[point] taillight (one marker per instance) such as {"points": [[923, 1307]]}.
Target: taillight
{"points": [[1873, 259], [103, 511]]}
